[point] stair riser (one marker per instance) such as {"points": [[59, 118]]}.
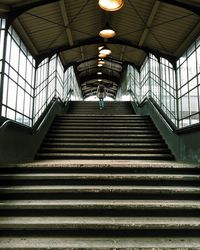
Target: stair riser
{"points": [[83, 128], [103, 232], [101, 169], [100, 212], [103, 135], [67, 194], [102, 140], [108, 145], [105, 151], [103, 156]]}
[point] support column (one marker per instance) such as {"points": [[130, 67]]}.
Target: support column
{"points": [[3, 66]]}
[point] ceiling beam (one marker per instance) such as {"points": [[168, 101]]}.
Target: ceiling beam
{"points": [[95, 76], [97, 40], [188, 40], [82, 53], [94, 90], [4, 8], [149, 23], [94, 93], [27, 40], [98, 69], [63, 11], [19, 10], [122, 52], [110, 59], [184, 4]]}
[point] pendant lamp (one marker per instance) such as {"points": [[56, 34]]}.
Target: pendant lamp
{"points": [[111, 5]]}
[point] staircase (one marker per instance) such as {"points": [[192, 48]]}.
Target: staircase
{"points": [[133, 205], [94, 204], [86, 132]]}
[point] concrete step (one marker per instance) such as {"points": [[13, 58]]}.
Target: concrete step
{"points": [[104, 140], [114, 156], [97, 176], [98, 205], [99, 243], [103, 167], [105, 135], [98, 223], [108, 130], [100, 112], [106, 117], [105, 150], [115, 128], [100, 189], [100, 125], [99, 145]]}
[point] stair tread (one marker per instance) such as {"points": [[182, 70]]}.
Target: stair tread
{"points": [[99, 243], [113, 155], [99, 189], [97, 176], [118, 135], [93, 115], [77, 222], [100, 204], [152, 128], [77, 149], [105, 144], [104, 131], [105, 139]]}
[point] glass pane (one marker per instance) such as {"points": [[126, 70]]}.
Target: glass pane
{"points": [[192, 70], [20, 100], [15, 55], [12, 91]]}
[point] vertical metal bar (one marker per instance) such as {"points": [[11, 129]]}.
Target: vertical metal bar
{"points": [[56, 76], [198, 93], [34, 97], [3, 67], [160, 83], [47, 86], [177, 97], [149, 76]]}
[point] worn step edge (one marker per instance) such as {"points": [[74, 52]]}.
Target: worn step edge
{"points": [[105, 140], [100, 189], [105, 145], [100, 204], [99, 223], [104, 135], [103, 156], [64, 128], [105, 150], [97, 176]]}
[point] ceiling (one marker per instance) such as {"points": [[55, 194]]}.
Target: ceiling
{"points": [[70, 27]]}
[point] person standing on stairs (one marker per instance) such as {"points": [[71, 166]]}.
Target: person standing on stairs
{"points": [[101, 94]]}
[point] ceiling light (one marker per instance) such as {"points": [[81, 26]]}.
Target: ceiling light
{"points": [[99, 73], [99, 80], [101, 62], [107, 32], [101, 55], [111, 5], [100, 47], [100, 65], [105, 51]]}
